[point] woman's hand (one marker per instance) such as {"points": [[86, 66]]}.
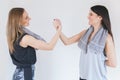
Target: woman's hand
{"points": [[57, 24]]}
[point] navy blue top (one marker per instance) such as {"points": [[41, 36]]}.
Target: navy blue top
{"points": [[24, 57]]}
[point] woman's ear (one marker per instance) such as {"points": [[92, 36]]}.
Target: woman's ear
{"points": [[100, 18]]}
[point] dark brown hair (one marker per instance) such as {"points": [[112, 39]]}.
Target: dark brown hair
{"points": [[103, 12]]}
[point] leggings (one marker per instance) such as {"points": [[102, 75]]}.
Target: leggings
{"points": [[19, 73]]}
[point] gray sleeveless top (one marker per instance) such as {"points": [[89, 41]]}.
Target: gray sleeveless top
{"points": [[92, 57]]}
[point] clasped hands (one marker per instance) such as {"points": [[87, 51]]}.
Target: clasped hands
{"points": [[57, 24]]}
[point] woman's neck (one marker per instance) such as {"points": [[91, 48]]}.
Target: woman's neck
{"points": [[96, 27]]}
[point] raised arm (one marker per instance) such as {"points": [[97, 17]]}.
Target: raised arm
{"points": [[28, 40], [70, 40], [110, 52]]}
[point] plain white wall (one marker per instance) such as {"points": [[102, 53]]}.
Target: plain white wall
{"points": [[6, 67], [63, 62]]}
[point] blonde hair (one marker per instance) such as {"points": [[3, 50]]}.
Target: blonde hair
{"points": [[14, 29]]}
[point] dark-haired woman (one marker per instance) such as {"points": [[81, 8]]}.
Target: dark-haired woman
{"points": [[96, 44]]}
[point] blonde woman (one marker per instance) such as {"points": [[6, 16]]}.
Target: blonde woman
{"points": [[22, 44]]}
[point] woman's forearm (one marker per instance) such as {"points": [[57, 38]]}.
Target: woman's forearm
{"points": [[64, 39], [53, 41]]}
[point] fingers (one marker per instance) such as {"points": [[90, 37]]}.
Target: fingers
{"points": [[57, 24], [58, 27]]}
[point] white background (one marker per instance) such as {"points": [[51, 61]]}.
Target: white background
{"points": [[63, 62]]}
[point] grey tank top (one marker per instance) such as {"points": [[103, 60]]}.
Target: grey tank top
{"points": [[92, 57]]}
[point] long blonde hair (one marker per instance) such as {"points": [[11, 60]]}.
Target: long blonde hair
{"points": [[14, 29]]}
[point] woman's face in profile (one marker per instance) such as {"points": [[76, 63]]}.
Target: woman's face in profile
{"points": [[93, 18], [25, 19]]}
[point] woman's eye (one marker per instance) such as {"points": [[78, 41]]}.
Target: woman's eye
{"points": [[90, 14]]}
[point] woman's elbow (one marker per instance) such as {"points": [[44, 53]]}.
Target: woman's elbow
{"points": [[66, 43], [51, 48], [114, 65]]}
